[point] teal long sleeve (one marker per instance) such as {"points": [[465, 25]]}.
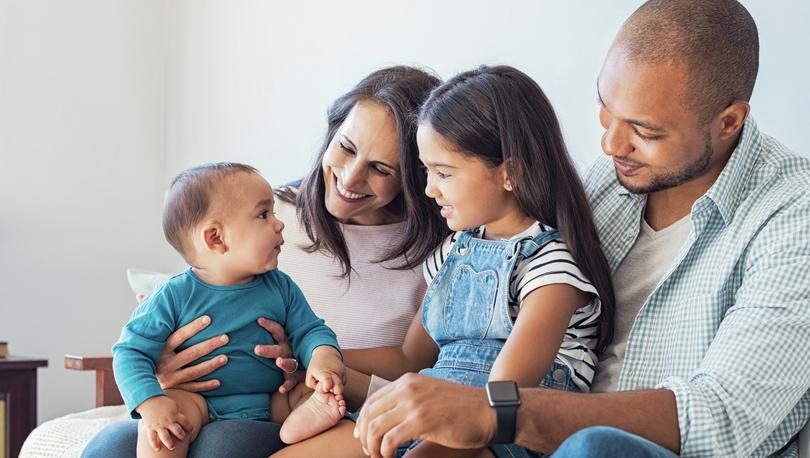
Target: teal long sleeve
{"points": [[247, 380]]}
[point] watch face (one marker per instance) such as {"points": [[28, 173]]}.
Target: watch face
{"points": [[499, 392]]}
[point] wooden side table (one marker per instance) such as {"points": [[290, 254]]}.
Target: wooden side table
{"points": [[18, 380]]}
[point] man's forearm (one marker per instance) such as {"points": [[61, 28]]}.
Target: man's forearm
{"points": [[548, 417]]}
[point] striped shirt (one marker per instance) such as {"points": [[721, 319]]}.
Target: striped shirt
{"points": [[552, 264], [727, 329]]}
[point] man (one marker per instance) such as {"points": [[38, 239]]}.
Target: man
{"points": [[706, 224]]}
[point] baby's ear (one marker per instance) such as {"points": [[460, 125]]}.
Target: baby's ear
{"points": [[213, 238]]}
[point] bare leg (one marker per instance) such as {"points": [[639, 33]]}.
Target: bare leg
{"points": [[193, 406], [429, 449], [282, 404], [338, 442], [305, 413]]}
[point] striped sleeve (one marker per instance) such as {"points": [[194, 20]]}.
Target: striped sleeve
{"points": [[552, 264], [435, 261]]}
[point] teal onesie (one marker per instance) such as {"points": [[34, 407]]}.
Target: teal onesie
{"points": [[247, 380]]}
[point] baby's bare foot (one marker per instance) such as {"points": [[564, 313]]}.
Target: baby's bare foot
{"points": [[317, 414]]}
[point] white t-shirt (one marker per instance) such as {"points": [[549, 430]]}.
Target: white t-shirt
{"points": [[552, 264], [648, 260], [375, 308]]}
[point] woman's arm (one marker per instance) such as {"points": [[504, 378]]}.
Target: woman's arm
{"points": [[537, 334], [418, 351]]}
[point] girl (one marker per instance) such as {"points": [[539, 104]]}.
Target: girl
{"points": [[522, 290]]}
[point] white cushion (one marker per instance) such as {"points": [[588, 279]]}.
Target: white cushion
{"points": [[145, 281], [66, 437]]}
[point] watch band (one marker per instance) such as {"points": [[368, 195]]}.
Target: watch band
{"points": [[504, 397], [506, 418]]}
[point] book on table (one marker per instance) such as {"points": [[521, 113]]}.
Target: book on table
{"points": [[3, 426]]}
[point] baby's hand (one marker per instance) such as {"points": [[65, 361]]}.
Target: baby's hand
{"points": [[326, 371], [160, 420]]}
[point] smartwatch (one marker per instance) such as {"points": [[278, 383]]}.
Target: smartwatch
{"points": [[504, 397]]}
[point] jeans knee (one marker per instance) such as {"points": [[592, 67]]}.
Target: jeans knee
{"points": [[592, 442]]}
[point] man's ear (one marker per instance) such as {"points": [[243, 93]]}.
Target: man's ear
{"points": [[213, 238], [732, 118]]}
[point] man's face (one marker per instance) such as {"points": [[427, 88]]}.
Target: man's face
{"points": [[655, 141]]}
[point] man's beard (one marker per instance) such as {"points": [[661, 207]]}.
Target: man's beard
{"points": [[672, 179]]}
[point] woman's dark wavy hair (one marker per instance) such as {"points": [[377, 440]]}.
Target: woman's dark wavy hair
{"points": [[402, 89], [500, 115]]}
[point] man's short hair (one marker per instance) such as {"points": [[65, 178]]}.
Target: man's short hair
{"points": [[189, 199], [717, 40]]}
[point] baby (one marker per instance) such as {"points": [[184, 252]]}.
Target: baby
{"points": [[220, 218]]}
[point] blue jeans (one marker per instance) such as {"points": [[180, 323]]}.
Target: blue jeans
{"points": [[242, 438], [605, 442]]}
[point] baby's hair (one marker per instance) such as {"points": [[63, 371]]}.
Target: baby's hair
{"points": [[189, 199], [499, 115]]}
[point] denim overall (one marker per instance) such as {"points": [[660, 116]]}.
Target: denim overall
{"points": [[466, 311]]}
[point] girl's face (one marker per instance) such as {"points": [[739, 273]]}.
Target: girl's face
{"points": [[361, 167], [470, 192]]}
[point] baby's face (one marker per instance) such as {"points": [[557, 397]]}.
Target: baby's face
{"points": [[253, 233]]}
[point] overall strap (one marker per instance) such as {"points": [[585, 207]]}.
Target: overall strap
{"points": [[462, 241], [529, 246]]}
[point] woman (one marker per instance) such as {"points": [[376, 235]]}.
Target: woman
{"points": [[358, 227]]}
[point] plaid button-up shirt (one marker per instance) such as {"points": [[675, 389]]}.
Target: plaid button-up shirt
{"points": [[727, 329]]}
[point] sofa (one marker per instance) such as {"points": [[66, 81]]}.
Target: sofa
{"points": [[67, 436]]}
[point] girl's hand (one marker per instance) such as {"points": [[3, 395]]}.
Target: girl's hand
{"points": [[162, 422], [282, 353], [171, 370]]}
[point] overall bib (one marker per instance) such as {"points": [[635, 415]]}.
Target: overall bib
{"points": [[466, 311]]}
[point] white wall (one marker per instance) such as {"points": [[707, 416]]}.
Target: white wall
{"points": [[82, 141], [102, 101], [250, 80]]}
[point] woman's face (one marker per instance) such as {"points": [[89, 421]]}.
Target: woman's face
{"points": [[361, 167]]}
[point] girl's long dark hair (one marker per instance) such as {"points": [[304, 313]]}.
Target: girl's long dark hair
{"points": [[500, 115], [403, 90]]}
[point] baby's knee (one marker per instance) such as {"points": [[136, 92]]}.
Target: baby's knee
{"points": [[192, 405]]}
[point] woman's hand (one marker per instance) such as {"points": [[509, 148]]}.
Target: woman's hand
{"points": [[282, 353], [171, 370]]}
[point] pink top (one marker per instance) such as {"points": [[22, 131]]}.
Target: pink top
{"points": [[376, 308]]}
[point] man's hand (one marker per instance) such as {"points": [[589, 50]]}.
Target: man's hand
{"points": [[163, 422], [417, 407]]}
